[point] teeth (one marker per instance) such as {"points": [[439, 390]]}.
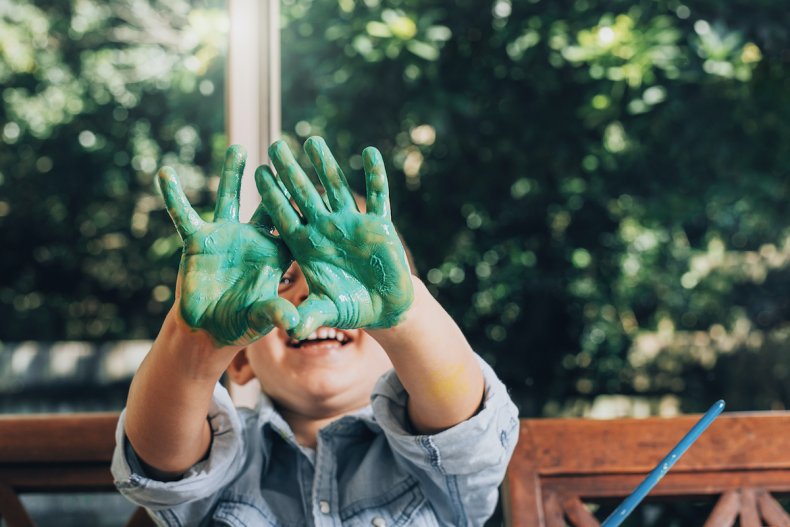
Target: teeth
{"points": [[322, 334]]}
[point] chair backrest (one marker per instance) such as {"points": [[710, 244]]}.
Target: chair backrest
{"points": [[55, 453], [557, 465], [561, 463]]}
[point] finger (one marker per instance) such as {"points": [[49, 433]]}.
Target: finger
{"points": [[296, 181], [314, 312], [181, 212], [378, 193], [275, 203], [277, 311], [261, 216], [330, 174], [227, 207]]}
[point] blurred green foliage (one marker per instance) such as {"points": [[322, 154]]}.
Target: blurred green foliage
{"points": [[595, 190], [95, 96]]}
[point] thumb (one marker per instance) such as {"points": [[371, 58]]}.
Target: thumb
{"points": [[276, 311], [314, 312]]}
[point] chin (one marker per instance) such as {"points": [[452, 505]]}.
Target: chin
{"points": [[335, 395], [332, 372]]}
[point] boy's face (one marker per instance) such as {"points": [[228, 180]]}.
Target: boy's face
{"points": [[329, 373]]}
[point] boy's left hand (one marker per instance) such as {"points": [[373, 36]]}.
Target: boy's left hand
{"points": [[354, 262]]}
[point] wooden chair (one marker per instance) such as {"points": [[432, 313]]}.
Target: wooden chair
{"points": [[561, 463], [56, 453], [557, 465]]}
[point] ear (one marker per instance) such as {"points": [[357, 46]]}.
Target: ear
{"points": [[240, 370]]}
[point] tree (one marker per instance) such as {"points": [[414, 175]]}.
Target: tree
{"points": [[595, 190], [604, 182], [95, 97]]}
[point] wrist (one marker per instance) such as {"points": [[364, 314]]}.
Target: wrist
{"points": [[421, 298], [193, 351]]}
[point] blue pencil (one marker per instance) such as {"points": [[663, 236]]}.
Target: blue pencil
{"points": [[629, 504]]}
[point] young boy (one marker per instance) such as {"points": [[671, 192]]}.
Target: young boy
{"points": [[340, 438]]}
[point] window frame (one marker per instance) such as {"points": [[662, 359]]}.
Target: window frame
{"points": [[252, 109], [253, 98]]}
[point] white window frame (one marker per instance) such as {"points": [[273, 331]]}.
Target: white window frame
{"points": [[253, 101], [253, 86]]}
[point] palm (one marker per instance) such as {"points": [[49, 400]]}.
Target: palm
{"points": [[229, 271], [354, 262], [362, 273]]}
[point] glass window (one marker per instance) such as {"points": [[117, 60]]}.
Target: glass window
{"points": [[95, 97]]}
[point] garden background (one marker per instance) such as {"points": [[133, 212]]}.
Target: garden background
{"points": [[595, 190]]}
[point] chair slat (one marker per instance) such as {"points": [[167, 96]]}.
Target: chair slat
{"points": [[771, 511], [554, 515], [726, 510], [749, 516], [560, 446], [11, 509], [578, 514]]}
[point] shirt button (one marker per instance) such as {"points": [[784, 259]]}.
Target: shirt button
{"points": [[379, 522], [324, 507]]}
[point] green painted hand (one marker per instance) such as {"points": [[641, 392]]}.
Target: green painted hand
{"points": [[354, 262], [229, 271]]}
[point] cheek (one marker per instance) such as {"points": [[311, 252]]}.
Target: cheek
{"points": [[266, 352], [271, 371]]}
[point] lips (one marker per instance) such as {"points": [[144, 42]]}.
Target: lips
{"points": [[322, 337]]}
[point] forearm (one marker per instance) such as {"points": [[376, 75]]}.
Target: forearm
{"points": [[169, 398], [435, 363]]}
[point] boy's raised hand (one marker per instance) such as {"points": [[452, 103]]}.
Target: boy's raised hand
{"points": [[229, 271], [354, 262]]}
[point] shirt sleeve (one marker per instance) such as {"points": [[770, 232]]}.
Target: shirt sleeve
{"points": [[459, 469], [167, 500]]}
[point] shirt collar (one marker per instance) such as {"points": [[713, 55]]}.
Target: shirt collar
{"points": [[269, 416]]}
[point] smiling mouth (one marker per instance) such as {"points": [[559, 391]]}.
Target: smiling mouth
{"points": [[322, 336]]}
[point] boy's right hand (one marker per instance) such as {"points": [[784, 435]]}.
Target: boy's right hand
{"points": [[229, 271]]}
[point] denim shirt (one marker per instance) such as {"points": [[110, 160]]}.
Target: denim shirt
{"points": [[368, 469]]}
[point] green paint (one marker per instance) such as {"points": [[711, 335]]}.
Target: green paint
{"points": [[229, 270], [354, 263]]}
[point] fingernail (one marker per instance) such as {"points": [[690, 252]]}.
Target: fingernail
{"points": [[236, 153], [167, 176], [279, 148], [370, 156]]}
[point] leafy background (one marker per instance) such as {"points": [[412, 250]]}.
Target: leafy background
{"points": [[596, 190], [604, 183]]}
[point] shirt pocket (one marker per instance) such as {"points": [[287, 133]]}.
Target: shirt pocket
{"points": [[242, 512], [402, 505]]}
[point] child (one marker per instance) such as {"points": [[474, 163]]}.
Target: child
{"points": [[340, 438]]}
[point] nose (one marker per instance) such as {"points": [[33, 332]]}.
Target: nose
{"points": [[301, 293], [297, 291]]}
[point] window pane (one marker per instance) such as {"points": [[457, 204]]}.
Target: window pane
{"points": [[95, 97], [596, 191]]}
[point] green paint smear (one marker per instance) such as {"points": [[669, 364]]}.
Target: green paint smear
{"points": [[229, 271], [354, 263]]}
